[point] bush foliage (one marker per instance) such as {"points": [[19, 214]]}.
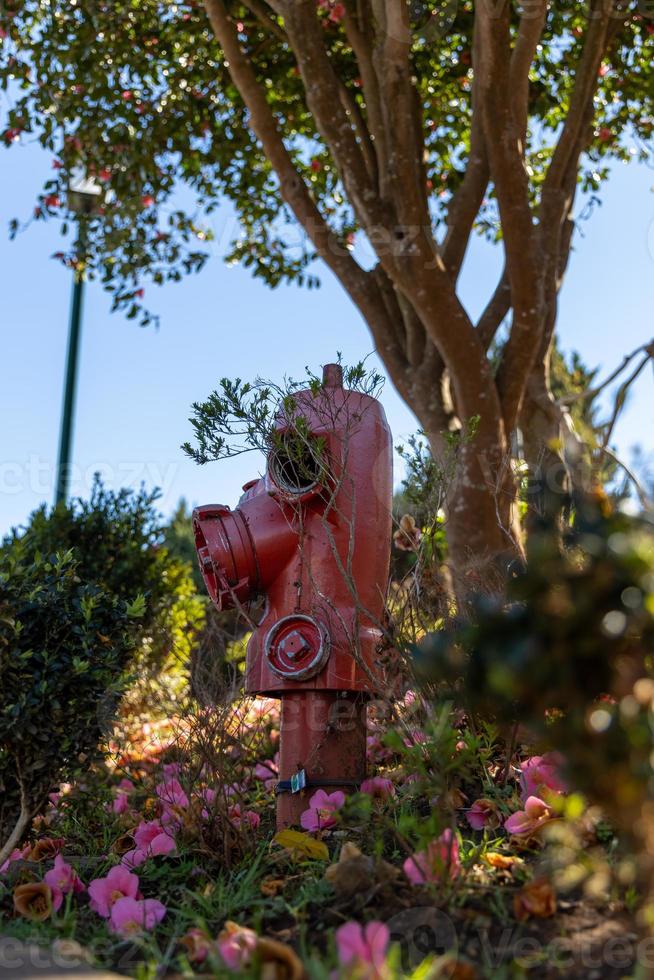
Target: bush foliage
{"points": [[570, 655], [65, 649], [117, 539]]}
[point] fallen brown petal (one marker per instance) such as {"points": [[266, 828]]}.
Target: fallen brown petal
{"points": [[537, 900], [33, 901], [355, 872], [458, 970], [502, 861], [278, 961], [272, 886], [46, 848]]}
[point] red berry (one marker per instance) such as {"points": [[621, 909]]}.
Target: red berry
{"points": [[147, 200]]}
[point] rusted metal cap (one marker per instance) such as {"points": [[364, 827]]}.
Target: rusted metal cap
{"points": [[297, 647]]}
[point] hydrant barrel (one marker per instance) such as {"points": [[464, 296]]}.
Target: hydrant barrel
{"points": [[313, 536]]}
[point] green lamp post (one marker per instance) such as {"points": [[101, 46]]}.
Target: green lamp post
{"points": [[84, 199]]}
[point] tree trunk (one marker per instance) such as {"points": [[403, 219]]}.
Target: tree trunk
{"points": [[479, 488], [540, 425], [481, 527]]}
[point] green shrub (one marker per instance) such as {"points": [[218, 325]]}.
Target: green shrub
{"points": [[117, 540], [65, 650], [571, 654]]}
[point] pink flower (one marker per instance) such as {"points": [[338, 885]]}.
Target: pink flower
{"points": [[439, 860], [147, 831], [337, 13], [63, 878], [483, 813], [416, 737], [105, 892], [535, 814], [198, 945], [322, 808], [208, 797], [541, 773], [363, 946], [236, 944], [129, 916], [17, 854], [378, 787], [268, 771], [249, 816], [121, 803], [152, 839], [171, 793], [376, 751]]}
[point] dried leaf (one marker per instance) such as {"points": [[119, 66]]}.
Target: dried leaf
{"points": [[123, 844], [355, 872], [278, 961], [502, 861], [537, 900], [272, 886], [46, 848], [33, 901], [458, 970], [302, 845]]}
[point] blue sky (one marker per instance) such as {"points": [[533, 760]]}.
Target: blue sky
{"points": [[137, 385]]}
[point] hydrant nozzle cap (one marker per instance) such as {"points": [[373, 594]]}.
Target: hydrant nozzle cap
{"points": [[332, 376]]}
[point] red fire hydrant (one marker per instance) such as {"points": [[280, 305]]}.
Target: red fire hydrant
{"points": [[313, 536]]}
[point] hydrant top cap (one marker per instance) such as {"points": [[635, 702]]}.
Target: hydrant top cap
{"points": [[332, 376]]}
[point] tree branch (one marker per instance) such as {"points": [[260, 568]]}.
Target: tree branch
{"points": [[403, 132], [351, 106], [467, 201], [362, 49], [496, 310], [505, 152], [594, 392], [260, 11], [359, 284], [532, 23], [584, 90], [322, 87]]}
